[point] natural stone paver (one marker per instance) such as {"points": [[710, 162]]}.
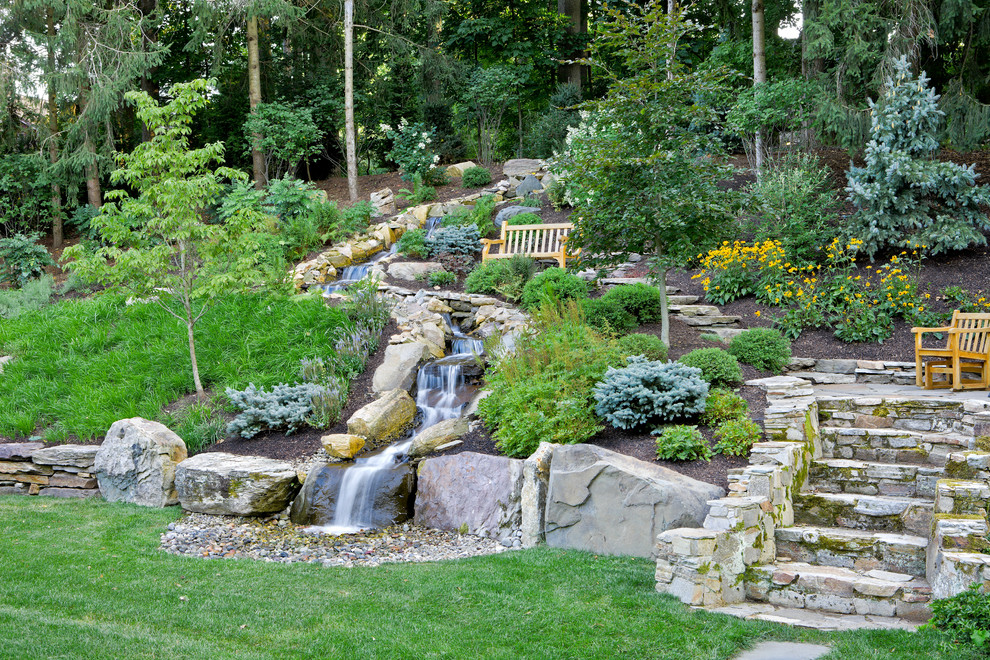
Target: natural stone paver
{"points": [[802, 618], [783, 651]]}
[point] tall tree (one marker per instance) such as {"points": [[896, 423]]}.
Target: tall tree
{"points": [[349, 130], [759, 71]]}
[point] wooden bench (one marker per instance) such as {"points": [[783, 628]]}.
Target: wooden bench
{"points": [[965, 360], [537, 241]]}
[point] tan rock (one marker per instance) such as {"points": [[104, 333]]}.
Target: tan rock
{"points": [[385, 419], [460, 168], [439, 434], [342, 445]]}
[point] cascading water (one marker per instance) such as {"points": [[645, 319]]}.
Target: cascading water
{"points": [[441, 394]]}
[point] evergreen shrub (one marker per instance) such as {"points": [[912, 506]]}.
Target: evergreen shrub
{"points": [[718, 368], [475, 177], [763, 348], [454, 240], [965, 616], [723, 405], [638, 343], [645, 392], [681, 443], [285, 407], [554, 284], [641, 300], [605, 316]]}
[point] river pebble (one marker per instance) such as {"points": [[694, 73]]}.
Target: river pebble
{"points": [[275, 539]]}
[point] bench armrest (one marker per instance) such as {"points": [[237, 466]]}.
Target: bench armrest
{"points": [[492, 241], [922, 330]]}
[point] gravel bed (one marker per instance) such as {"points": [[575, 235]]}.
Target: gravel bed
{"points": [[276, 539]]}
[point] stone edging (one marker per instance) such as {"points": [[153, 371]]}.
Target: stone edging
{"points": [[28, 468], [845, 372]]}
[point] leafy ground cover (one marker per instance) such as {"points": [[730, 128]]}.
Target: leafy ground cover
{"points": [[87, 580], [83, 364]]}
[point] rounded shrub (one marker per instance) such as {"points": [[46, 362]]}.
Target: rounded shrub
{"points": [[645, 392], [718, 368], [605, 316], [413, 244], [638, 343], [682, 443], [723, 405], [554, 284], [524, 219], [763, 348], [736, 436], [641, 300], [441, 278], [505, 277], [475, 177]]}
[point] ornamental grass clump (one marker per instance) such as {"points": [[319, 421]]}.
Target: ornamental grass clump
{"points": [[718, 368], [645, 392], [763, 348]]}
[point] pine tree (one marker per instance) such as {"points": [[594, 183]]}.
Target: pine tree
{"points": [[903, 195]]}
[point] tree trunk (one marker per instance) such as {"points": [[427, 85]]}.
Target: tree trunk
{"points": [[664, 308], [576, 12], [759, 72], [94, 193], [254, 98], [349, 134], [148, 36], [192, 356], [53, 138]]}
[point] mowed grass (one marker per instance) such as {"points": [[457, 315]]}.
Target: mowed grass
{"points": [[83, 364], [86, 580]]}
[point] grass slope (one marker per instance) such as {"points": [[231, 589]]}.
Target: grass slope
{"points": [[86, 580], [83, 364]]}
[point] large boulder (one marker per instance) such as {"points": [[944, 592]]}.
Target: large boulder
{"points": [[412, 270], [384, 419], [137, 462], [342, 445], [479, 492], [520, 167], [459, 168], [387, 497], [609, 503], [398, 370], [511, 212], [231, 485], [78, 456], [441, 433], [384, 202], [529, 186], [536, 479]]}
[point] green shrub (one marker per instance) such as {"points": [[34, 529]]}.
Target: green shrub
{"points": [[965, 616], [22, 259], [605, 316], [556, 194], [645, 392], [441, 278], [641, 300], [718, 368], [681, 443], [649, 346], [554, 284], [35, 294], [420, 192], [762, 348], [531, 201], [524, 219], [543, 390], [454, 240], [413, 244], [723, 405], [506, 277], [736, 436], [199, 424], [475, 177], [300, 235], [289, 198]]}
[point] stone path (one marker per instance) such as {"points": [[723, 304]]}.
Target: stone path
{"points": [[816, 619], [897, 391], [783, 651]]}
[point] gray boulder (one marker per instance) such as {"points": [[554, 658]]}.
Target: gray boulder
{"points": [[137, 461], [529, 186], [398, 371], [412, 270], [511, 212], [19, 451], [609, 503], [230, 485], [80, 456], [477, 491], [389, 496], [536, 480], [520, 167]]}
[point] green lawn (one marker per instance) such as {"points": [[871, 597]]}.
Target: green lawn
{"points": [[83, 364], [86, 580]]}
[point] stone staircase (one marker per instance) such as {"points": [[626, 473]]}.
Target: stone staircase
{"points": [[860, 506]]}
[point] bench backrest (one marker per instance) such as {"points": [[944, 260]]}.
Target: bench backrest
{"points": [[534, 239], [977, 341]]}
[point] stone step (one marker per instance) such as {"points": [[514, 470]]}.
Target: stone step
{"points": [[842, 475], [889, 445], [853, 548], [876, 513], [696, 310], [708, 321], [970, 464], [680, 301], [840, 590]]}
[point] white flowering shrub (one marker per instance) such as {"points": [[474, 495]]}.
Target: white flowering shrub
{"points": [[413, 151]]}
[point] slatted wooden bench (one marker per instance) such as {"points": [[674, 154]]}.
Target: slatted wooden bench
{"points": [[547, 241], [965, 359]]}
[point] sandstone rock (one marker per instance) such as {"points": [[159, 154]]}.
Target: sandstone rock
{"points": [[226, 484], [389, 497], [342, 445], [19, 451], [384, 419], [81, 456], [511, 212], [412, 270], [427, 440], [398, 371], [478, 492], [529, 186], [460, 168], [520, 167], [536, 480], [384, 202], [137, 462], [605, 502]]}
